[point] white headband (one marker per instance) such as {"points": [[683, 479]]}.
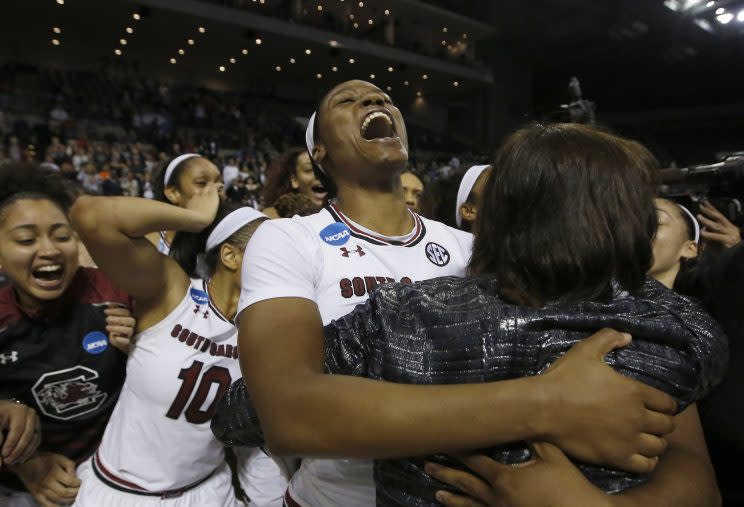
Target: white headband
{"points": [[310, 139], [231, 224], [466, 186], [694, 221], [174, 163]]}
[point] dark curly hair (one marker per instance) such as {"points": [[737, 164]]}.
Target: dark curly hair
{"points": [[29, 181], [279, 178]]}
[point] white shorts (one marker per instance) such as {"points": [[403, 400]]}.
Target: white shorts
{"points": [[260, 477], [217, 491]]}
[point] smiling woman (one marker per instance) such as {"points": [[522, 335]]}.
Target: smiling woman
{"points": [[54, 332]]}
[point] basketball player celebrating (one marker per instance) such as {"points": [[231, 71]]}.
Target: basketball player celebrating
{"points": [[185, 177], [303, 272], [158, 443]]}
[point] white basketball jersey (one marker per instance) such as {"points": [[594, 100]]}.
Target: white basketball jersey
{"points": [[159, 435], [335, 262], [163, 245]]}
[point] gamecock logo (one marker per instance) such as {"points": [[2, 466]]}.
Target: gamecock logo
{"points": [[66, 394]]}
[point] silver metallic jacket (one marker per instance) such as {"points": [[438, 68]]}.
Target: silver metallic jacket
{"points": [[457, 330]]}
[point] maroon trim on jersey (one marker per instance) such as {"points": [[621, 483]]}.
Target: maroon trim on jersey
{"points": [[289, 501], [205, 286], [418, 235], [164, 237], [88, 286], [111, 480]]}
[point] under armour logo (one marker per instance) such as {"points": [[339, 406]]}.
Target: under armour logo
{"points": [[205, 313], [345, 251], [6, 358]]}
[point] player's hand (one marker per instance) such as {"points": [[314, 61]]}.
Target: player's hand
{"points": [[716, 227], [50, 478], [599, 416], [549, 480], [22, 429], [205, 203], [120, 325]]}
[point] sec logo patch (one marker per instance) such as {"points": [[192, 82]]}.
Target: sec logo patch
{"points": [[336, 234], [95, 342], [437, 254]]}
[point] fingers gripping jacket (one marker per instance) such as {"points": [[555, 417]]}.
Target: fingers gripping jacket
{"points": [[236, 422], [457, 330]]}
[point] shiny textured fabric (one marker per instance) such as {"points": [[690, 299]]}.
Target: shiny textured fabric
{"points": [[457, 330]]}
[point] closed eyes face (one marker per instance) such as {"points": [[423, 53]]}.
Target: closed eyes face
{"points": [[672, 242], [38, 250], [360, 125]]}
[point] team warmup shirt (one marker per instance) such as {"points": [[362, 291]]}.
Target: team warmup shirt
{"points": [[158, 438], [335, 262], [59, 362]]}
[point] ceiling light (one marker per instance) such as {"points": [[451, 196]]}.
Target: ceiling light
{"points": [[334, 69], [418, 94], [464, 36], [356, 25], [117, 52], [61, 2], [351, 16], [57, 29], [389, 88], [405, 83], [456, 83], [173, 60], [444, 29], [190, 42], [136, 16], [370, 22], [319, 76], [387, 12], [725, 18], [390, 69], [308, 51], [202, 29], [232, 60], [425, 76], [320, 8], [333, 43], [710, 4], [259, 42], [371, 76], [123, 42], [740, 16], [278, 68], [222, 68], [720, 10], [130, 29], [351, 60], [181, 52], [444, 43], [245, 51], [361, 4], [291, 60], [55, 42]]}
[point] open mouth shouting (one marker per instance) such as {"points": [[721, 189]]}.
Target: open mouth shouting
{"points": [[378, 126], [49, 276]]}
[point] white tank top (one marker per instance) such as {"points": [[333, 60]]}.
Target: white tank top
{"points": [[329, 259], [159, 435]]}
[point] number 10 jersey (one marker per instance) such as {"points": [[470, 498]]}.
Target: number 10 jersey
{"points": [[158, 437]]}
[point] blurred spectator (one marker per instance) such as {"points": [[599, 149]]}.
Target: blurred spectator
{"points": [[413, 190], [230, 171]]}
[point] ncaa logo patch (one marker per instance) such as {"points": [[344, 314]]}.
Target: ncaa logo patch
{"points": [[199, 296], [437, 254], [95, 342], [336, 234]]}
